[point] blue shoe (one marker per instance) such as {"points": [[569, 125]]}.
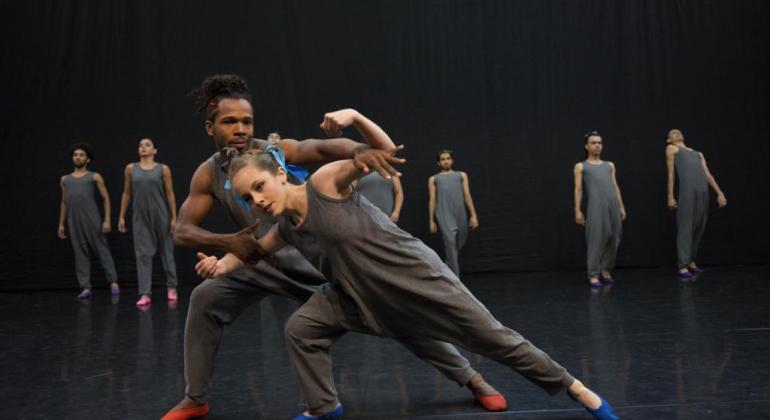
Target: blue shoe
{"points": [[595, 284], [604, 412], [694, 270], [334, 415], [685, 274], [607, 280]]}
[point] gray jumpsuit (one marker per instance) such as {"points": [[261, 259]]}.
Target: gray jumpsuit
{"points": [[378, 190], [150, 225], [451, 218], [603, 221], [218, 302], [386, 282], [692, 204], [84, 224]]}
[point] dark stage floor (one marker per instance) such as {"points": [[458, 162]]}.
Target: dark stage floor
{"points": [[656, 347]]}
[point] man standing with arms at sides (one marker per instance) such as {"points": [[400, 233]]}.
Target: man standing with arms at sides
{"points": [[87, 229], [385, 194], [606, 211], [692, 203], [449, 194], [153, 216], [229, 121]]}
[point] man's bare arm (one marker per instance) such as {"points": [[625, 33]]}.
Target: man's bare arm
{"points": [[617, 192], [62, 210], [474, 221], [194, 210], [398, 198], [721, 199], [671, 152], [578, 194], [432, 205], [106, 224]]}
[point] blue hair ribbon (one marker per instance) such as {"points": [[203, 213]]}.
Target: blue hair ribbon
{"points": [[296, 171]]}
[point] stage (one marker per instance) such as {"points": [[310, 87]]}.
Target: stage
{"points": [[656, 347]]}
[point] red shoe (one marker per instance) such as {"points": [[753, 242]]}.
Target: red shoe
{"points": [[187, 412], [495, 402]]}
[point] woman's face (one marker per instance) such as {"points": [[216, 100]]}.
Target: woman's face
{"points": [[261, 188]]}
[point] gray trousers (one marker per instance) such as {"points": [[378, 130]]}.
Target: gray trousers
{"points": [[454, 238], [147, 241], [216, 303], [603, 233], [691, 218], [313, 328], [83, 243]]}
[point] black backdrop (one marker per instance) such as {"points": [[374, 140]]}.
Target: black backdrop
{"points": [[510, 86]]}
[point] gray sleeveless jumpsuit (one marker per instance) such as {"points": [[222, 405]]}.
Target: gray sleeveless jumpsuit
{"points": [[378, 190], [603, 221], [385, 282], [451, 218], [692, 205], [150, 225], [84, 224], [218, 302]]}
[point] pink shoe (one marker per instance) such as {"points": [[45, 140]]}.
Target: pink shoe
{"points": [[144, 301], [171, 295]]}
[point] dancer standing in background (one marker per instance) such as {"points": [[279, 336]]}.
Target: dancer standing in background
{"points": [[449, 194], [692, 203], [606, 211], [150, 186], [87, 229]]}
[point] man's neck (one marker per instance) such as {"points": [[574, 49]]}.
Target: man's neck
{"points": [[147, 160], [80, 171], [594, 159], [446, 171]]}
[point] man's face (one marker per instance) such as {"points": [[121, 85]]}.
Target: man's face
{"points": [[594, 146], [273, 138], [445, 161], [147, 148], [675, 136], [80, 158], [233, 125]]}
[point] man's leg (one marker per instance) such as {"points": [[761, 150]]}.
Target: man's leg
{"points": [[82, 258], [451, 250], [684, 229]]}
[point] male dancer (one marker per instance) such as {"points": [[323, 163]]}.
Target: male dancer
{"points": [[154, 218], [605, 210], [449, 194], [385, 194], [86, 227], [692, 203], [214, 303]]}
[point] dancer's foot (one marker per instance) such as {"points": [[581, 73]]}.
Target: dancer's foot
{"points": [[114, 289], [595, 282], [333, 415], [144, 301], [187, 409], [486, 395], [171, 294], [593, 403], [85, 294], [606, 277], [693, 268], [684, 273]]}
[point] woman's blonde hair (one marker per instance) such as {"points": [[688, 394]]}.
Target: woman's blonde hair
{"points": [[260, 159]]}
